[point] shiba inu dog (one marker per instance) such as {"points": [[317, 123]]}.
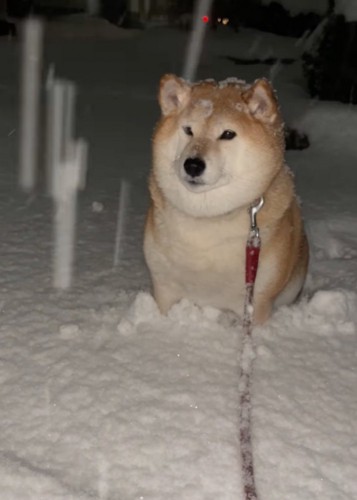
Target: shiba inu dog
{"points": [[218, 147]]}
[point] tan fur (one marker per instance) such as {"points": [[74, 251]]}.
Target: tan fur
{"points": [[195, 234]]}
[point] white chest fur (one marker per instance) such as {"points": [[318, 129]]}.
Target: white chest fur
{"points": [[200, 259]]}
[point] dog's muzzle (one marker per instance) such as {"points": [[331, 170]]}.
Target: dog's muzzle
{"points": [[194, 167]]}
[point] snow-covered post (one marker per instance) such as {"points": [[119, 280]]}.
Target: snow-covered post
{"points": [[54, 127], [194, 48], [66, 170], [68, 177], [66, 165], [30, 101], [61, 96], [122, 214]]}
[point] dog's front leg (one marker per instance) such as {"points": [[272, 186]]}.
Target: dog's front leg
{"points": [[166, 295], [262, 308]]}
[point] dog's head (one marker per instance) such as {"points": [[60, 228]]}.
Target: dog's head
{"points": [[218, 146]]}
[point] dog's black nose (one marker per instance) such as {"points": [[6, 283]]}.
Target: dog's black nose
{"points": [[194, 166]]}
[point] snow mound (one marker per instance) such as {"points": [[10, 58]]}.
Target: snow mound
{"points": [[319, 121], [331, 311], [144, 310], [335, 305], [328, 312]]}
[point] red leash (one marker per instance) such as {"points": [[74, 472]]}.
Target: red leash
{"points": [[247, 357]]}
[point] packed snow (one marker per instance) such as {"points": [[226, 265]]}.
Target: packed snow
{"points": [[101, 396]]}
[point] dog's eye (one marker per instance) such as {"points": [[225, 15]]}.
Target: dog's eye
{"points": [[227, 135], [187, 130]]}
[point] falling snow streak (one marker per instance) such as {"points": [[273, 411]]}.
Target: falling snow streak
{"points": [[68, 177], [30, 99], [122, 215], [66, 168], [61, 96], [194, 48], [93, 7]]}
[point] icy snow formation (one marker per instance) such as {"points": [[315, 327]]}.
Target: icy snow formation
{"points": [[101, 396]]}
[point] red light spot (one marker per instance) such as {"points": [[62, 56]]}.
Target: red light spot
{"points": [[205, 19]]}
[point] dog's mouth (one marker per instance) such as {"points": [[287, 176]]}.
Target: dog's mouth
{"points": [[195, 182], [195, 185]]}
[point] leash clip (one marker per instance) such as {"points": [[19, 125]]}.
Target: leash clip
{"points": [[253, 210]]}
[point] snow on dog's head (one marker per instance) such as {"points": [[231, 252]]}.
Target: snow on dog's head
{"points": [[218, 145]]}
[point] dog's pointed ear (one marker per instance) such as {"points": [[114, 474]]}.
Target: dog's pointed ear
{"points": [[174, 94], [261, 101]]}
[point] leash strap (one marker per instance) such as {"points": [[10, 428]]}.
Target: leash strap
{"points": [[247, 356]]}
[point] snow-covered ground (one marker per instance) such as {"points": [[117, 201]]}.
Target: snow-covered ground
{"points": [[348, 8], [101, 397]]}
